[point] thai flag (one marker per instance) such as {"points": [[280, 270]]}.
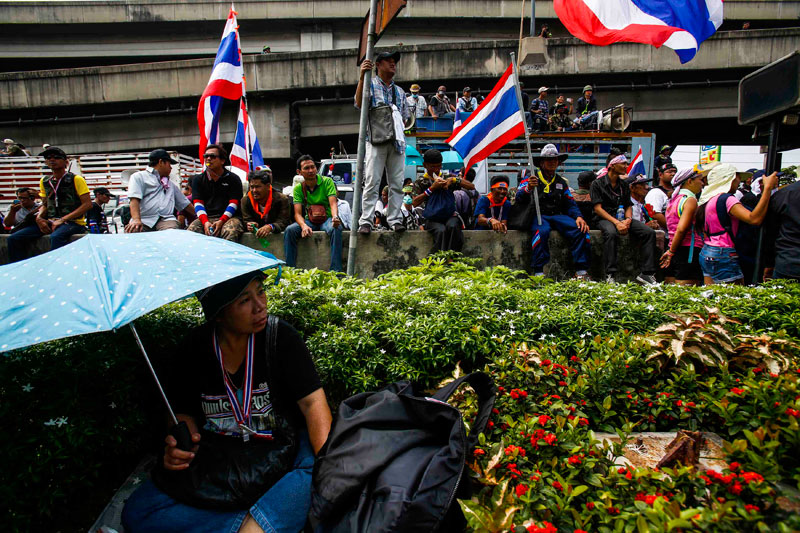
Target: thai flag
{"points": [[246, 152], [492, 125], [637, 165], [679, 24], [227, 81]]}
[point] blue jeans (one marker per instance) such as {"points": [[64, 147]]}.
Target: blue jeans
{"points": [[579, 242], [720, 264], [283, 508], [19, 240], [292, 234]]}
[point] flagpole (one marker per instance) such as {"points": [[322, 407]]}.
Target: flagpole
{"points": [[362, 141], [527, 135]]}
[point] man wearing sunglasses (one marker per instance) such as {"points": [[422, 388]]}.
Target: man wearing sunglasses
{"points": [[216, 194], [154, 198], [65, 201]]}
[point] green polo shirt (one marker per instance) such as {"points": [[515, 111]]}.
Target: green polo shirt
{"points": [[324, 189]]}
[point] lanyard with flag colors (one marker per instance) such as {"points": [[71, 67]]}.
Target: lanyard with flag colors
{"points": [[240, 403]]}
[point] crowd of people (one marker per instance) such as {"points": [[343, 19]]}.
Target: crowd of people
{"points": [[708, 214]]}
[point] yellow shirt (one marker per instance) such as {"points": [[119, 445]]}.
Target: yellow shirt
{"points": [[80, 188]]}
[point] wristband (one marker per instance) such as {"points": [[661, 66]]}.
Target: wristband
{"points": [[271, 226], [428, 191], [224, 218]]}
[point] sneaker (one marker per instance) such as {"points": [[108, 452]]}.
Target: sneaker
{"points": [[364, 229], [398, 228], [646, 279], [610, 279]]}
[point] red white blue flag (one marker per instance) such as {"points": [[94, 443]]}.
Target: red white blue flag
{"points": [[457, 120], [227, 81], [246, 152], [679, 24], [637, 165], [492, 125]]}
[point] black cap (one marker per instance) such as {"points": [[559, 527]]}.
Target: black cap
{"points": [[667, 166], [53, 150], [103, 190], [158, 154], [432, 156], [467, 90], [214, 298], [388, 55]]}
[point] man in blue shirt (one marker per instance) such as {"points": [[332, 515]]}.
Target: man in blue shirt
{"points": [[390, 155], [559, 212], [491, 212]]}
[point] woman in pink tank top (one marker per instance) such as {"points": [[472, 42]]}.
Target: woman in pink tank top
{"points": [[718, 258], [685, 241]]}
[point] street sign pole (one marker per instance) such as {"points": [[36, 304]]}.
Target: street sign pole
{"points": [[362, 142], [770, 167]]}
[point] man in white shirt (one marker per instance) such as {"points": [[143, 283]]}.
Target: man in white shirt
{"points": [[659, 195], [153, 198], [416, 102]]}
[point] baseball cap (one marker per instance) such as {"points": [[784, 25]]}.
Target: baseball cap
{"points": [[467, 90], [388, 55], [543, 89], [667, 166], [159, 154], [637, 179], [103, 190], [53, 150], [414, 88], [213, 299]]}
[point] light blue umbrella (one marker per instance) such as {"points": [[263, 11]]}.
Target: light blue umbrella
{"points": [[104, 282], [452, 161], [413, 157]]}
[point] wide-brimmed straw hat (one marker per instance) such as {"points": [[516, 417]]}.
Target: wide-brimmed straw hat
{"points": [[549, 152], [719, 181]]}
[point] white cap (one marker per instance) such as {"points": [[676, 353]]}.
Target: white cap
{"points": [[8, 141], [543, 89]]}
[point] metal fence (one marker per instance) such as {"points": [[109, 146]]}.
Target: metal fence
{"points": [[99, 170]]}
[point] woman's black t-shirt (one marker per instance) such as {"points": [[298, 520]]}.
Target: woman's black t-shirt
{"points": [[195, 384]]}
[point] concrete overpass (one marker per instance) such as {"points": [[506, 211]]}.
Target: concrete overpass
{"points": [[116, 32], [306, 95]]}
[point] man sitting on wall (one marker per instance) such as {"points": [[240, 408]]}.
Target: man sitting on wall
{"points": [[491, 212], [216, 194], [318, 191], [264, 208], [559, 212]]}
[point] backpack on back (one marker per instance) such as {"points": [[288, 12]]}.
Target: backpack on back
{"points": [[395, 459]]}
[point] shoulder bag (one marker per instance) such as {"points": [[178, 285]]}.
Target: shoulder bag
{"points": [[316, 213], [228, 473], [381, 123]]}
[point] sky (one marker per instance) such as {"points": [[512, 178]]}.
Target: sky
{"points": [[743, 157]]}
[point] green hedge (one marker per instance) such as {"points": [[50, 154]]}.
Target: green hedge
{"points": [[83, 410]]}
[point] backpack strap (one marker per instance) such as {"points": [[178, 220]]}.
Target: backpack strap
{"points": [[723, 216], [270, 349], [483, 385]]}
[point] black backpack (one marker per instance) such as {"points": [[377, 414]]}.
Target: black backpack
{"points": [[395, 459]]}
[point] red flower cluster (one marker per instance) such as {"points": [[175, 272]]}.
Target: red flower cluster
{"points": [[515, 473], [613, 510], [590, 505], [575, 459], [540, 434], [793, 412], [732, 480], [518, 394], [521, 490], [557, 485], [752, 508], [546, 362], [737, 391], [547, 527], [478, 451], [627, 471], [543, 419], [510, 450], [650, 499], [757, 370]]}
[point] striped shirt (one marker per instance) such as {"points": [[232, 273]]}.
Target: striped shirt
{"points": [[382, 94]]}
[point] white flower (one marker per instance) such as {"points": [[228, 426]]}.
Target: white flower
{"points": [[27, 388], [112, 405], [324, 334], [650, 308], [707, 294], [382, 350]]}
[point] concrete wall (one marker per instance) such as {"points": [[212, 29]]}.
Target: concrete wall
{"points": [[302, 70], [33, 12], [382, 252]]}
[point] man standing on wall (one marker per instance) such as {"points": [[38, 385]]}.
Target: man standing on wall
{"points": [[388, 155]]}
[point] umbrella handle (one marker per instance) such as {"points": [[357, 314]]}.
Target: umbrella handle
{"points": [[182, 434]]}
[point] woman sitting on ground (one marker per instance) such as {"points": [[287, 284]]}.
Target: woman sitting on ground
{"points": [[685, 241], [238, 354], [719, 222]]}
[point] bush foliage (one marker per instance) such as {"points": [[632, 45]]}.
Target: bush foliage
{"points": [[84, 409]]}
